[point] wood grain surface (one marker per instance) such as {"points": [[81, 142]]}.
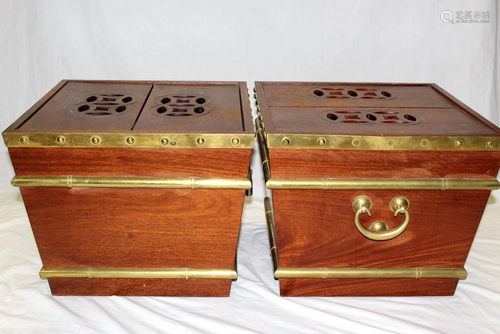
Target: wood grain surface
{"points": [[139, 287], [223, 163]]}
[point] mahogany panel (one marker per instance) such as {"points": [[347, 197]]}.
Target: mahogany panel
{"points": [[139, 287], [135, 228], [315, 228], [217, 163], [367, 287], [62, 113], [203, 108], [376, 121], [301, 94], [345, 164]]}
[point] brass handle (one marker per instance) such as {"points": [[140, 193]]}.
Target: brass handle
{"points": [[379, 230]]}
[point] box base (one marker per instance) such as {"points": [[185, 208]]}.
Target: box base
{"points": [[291, 287], [139, 287]]}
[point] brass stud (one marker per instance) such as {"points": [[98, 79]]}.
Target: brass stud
{"points": [[200, 141], [321, 141], [390, 142], [23, 140], [235, 141], [355, 142], [164, 141], [60, 140], [96, 140], [285, 141], [459, 143], [490, 144], [424, 143], [130, 140]]}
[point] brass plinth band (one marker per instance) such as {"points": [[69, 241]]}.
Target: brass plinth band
{"points": [[130, 182], [326, 273], [407, 184], [182, 273], [130, 140]]}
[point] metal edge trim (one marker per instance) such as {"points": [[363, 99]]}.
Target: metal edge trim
{"points": [[130, 182], [181, 273], [129, 140], [326, 273], [271, 232], [383, 143], [408, 184]]}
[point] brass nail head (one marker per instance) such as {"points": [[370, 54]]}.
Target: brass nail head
{"points": [[321, 141], [390, 142], [200, 141], [130, 140], [459, 143], [355, 142], [285, 141], [95, 140], [424, 143], [164, 141], [60, 140], [490, 144], [235, 141], [23, 140]]}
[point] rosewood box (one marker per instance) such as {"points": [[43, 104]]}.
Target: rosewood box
{"points": [[135, 188], [377, 189]]}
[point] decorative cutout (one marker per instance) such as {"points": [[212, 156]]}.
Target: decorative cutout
{"points": [[104, 104], [181, 106], [349, 93], [371, 117]]}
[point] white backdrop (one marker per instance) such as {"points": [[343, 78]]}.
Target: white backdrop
{"points": [[45, 41]]}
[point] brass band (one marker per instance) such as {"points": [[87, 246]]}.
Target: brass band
{"points": [[129, 140], [325, 273], [182, 273], [130, 182]]}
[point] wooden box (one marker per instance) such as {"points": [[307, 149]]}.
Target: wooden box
{"points": [[377, 189], [135, 188]]}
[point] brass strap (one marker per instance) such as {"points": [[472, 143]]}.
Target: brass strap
{"points": [[130, 182], [325, 273], [408, 184], [182, 273]]}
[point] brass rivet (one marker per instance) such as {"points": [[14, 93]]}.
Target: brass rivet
{"points": [[285, 141], [459, 143], [235, 141], [321, 141], [164, 141], [390, 142], [60, 140], [130, 140], [424, 142], [96, 140], [490, 144], [23, 140], [355, 142], [200, 141]]}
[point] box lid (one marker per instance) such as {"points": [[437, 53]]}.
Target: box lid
{"points": [[373, 116], [137, 114]]}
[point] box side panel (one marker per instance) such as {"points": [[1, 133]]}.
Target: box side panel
{"points": [[345, 164], [368, 287], [216, 163], [139, 287], [135, 228], [315, 228]]}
